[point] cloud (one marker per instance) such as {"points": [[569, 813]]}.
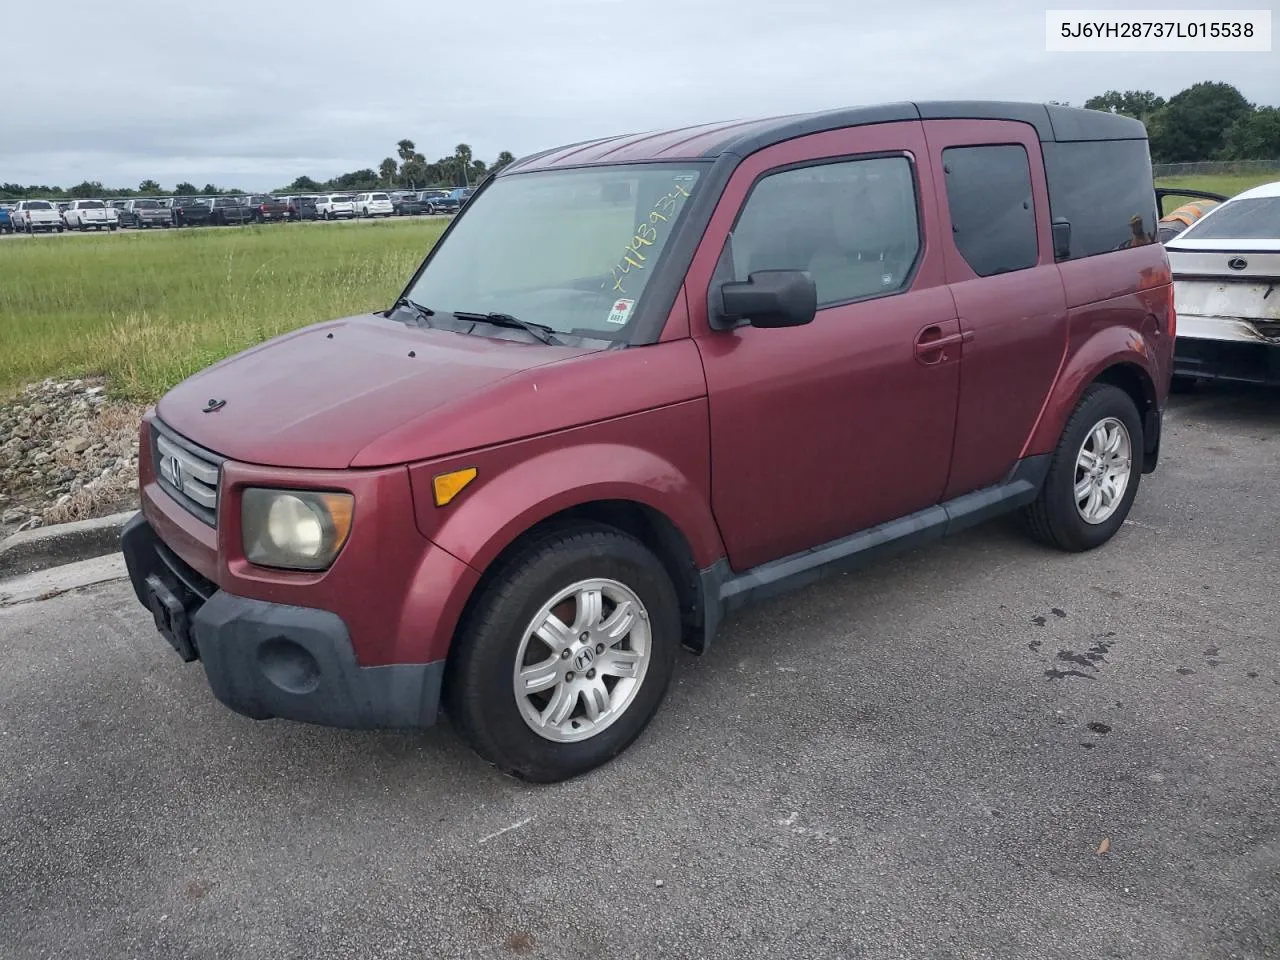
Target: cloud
{"points": [[254, 94]]}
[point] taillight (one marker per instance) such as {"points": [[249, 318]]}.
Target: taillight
{"points": [[1172, 321]]}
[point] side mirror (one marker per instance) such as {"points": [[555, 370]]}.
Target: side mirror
{"points": [[1061, 238], [771, 298]]}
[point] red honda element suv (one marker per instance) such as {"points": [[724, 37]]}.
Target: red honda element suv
{"points": [[642, 381]]}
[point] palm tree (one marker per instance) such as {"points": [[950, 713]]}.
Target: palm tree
{"points": [[405, 150], [388, 170]]}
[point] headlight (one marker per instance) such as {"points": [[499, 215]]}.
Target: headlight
{"points": [[294, 529]]}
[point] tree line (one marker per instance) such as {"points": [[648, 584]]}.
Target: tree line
{"points": [[1206, 121], [410, 171]]}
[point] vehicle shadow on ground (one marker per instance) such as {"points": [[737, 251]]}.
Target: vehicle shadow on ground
{"points": [[1239, 405]]}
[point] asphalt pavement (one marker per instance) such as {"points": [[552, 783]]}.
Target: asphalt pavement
{"points": [[980, 749]]}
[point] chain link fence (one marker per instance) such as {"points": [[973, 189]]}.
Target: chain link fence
{"points": [[1203, 167]]}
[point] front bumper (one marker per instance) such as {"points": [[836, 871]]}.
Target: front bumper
{"points": [[268, 660]]}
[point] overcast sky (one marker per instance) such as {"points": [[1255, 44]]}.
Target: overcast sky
{"points": [[252, 94]]}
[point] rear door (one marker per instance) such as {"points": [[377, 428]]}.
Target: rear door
{"points": [[822, 430], [993, 208]]}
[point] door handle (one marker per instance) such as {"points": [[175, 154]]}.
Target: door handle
{"points": [[931, 344]]}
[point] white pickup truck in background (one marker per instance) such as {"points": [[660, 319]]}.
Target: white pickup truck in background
{"points": [[91, 215], [32, 216]]}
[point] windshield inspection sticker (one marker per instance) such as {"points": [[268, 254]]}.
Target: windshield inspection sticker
{"points": [[621, 311]]}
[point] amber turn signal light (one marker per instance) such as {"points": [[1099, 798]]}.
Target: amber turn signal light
{"points": [[446, 486]]}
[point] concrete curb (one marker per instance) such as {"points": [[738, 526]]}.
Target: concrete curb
{"points": [[60, 543]]}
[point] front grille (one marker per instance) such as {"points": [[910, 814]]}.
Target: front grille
{"points": [[188, 473]]}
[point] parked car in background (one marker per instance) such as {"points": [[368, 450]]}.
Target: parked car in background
{"points": [[336, 206], [187, 211], [37, 216], [462, 195], [301, 208], [407, 204], [226, 211], [440, 201], [373, 205], [6, 218], [1226, 272], [62, 207], [389, 523], [89, 215], [267, 209], [144, 214]]}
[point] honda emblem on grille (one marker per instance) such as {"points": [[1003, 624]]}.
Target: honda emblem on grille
{"points": [[214, 404], [171, 470], [1237, 263]]}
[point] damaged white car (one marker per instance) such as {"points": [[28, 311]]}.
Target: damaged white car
{"points": [[1226, 270]]}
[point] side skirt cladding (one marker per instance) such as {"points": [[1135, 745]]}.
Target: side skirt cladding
{"points": [[723, 591]]}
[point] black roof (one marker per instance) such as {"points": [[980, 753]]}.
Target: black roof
{"points": [[741, 137]]}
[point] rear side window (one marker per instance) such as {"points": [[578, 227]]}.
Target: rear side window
{"points": [[852, 225], [1254, 218], [993, 218], [1103, 189]]}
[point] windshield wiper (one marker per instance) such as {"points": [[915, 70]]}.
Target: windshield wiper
{"points": [[417, 309], [540, 331]]}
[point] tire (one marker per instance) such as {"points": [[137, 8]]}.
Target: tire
{"points": [[479, 689], [1054, 518]]}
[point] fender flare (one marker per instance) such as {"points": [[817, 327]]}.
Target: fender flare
{"points": [[1108, 349], [483, 523]]}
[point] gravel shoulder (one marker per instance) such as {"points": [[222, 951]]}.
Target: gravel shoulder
{"points": [[922, 760], [67, 452]]}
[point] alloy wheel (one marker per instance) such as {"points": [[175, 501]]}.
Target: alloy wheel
{"points": [[1103, 467], [582, 659]]}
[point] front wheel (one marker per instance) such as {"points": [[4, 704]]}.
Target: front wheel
{"points": [[1094, 475], [567, 654]]}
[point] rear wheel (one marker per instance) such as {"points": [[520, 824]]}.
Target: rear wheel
{"points": [[1094, 475], [567, 654]]}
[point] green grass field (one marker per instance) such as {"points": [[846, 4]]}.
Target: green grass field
{"points": [[147, 309], [1227, 184]]}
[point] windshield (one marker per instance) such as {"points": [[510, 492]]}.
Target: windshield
{"points": [[569, 249], [90, 204], [377, 196], [38, 205], [145, 205], [342, 199], [1255, 218]]}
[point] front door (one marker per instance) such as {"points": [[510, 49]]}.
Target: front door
{"points": [[822, 430]]}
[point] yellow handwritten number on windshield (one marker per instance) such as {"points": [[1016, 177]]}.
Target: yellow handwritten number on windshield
{"points": [[645, 234]]}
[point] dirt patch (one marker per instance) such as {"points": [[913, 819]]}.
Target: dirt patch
{"points": [[67, 452]]}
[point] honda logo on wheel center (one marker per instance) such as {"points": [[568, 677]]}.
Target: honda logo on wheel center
{"points": [[583, 659]]}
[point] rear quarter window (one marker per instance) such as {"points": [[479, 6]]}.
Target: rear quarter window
{"points": [[1103, 189]]}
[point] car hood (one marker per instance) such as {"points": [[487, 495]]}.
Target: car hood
{"points": [[316, 398]]}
